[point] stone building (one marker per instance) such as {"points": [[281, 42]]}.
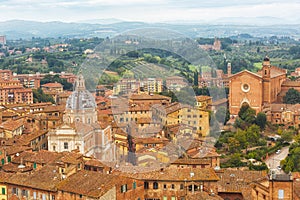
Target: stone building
{"points": [[81, 130], [91, 185], [177, 183], [177, 113], [274, 186], [255, 89]]}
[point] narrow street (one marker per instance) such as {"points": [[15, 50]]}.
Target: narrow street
{"points": [[274, 160]]}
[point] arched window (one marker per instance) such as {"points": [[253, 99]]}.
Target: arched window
{"points": [[155, 185]]}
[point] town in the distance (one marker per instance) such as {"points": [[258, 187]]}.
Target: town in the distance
{"points": [[153, 125]]}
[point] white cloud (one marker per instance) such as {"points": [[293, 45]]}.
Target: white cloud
{"points": [[145, 10]]}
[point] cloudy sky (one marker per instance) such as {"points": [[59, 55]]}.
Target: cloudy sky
{"points": [[146, 10]]}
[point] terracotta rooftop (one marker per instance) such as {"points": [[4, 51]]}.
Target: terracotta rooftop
{"points": [[238, 180], [52, 85], [44, 157], [178, 174], [14, 149], [71, 158], [173, 107], [25, 139], [191, 162], [37, 179], [14, 168], [95, 163], [203, 98], [12, 125], [89, 183], [149, 97], [9, 114]]}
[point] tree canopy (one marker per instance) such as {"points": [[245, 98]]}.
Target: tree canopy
{"points": [[247, 117], [292, 97], [52, 79], [40, 96]]}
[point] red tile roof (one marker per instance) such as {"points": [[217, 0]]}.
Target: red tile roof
{"points": [[52, 85], [89, 183]]}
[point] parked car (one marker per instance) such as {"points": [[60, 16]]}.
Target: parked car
{"points": [[278, 151], [278, 167]]}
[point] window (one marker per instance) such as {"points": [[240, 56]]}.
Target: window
{"points": [[165, 186], [280, 194], [34, 195], [34, 165], [15, 191], [123, 188], [155, 185], [146, 185], [65, 145], [43, 197], [134, 185], [173, 186], [181, 186], [24, 193], [173, 198], [53, 197], [3, 190], [165, 198], [80, 196]]}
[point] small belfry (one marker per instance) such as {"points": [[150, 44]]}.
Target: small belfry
{"points": [[80, 82]]}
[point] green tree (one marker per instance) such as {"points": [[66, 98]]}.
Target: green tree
{"points": [[196, 78], [241, 137], [40, 96], [233, 145], [287, 136], [261, 120], [253, 135], [291, 97], [246, 117]]}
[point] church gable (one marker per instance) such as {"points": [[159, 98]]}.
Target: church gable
{"points": [[65, 130], [246, 73], [245, 87]]}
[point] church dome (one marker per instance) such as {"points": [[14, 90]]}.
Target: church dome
{"points": [[80, 99]]}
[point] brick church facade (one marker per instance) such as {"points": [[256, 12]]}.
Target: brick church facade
{"points": [[258, 90]]}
